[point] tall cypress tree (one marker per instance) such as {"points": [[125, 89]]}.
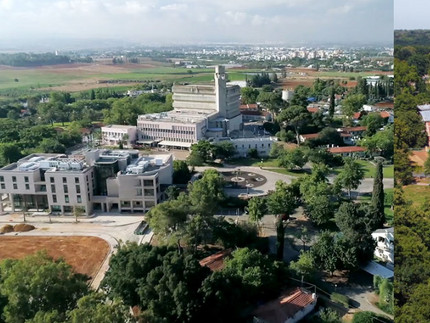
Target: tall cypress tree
{"points": [[332, 103], [377, 202]]}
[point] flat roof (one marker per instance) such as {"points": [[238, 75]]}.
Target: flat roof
{"points": [[376, 269], [177, 116], [118, 126], [175, 143]]}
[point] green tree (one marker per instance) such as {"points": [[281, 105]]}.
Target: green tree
{"points": [[96, 308], [332, 102], [256, 209], [378, 201], [281, 203], [373, 122], [168, 217], [304, 267], [223, 149], [402, 167], [329, 315], [249, 95], [202, 149], [291, 159], [37, 283], [9, 153], [352, 104], [206, 193], [350, 175], [181, 172], [426, 164], [296, 117], [324, 252]]}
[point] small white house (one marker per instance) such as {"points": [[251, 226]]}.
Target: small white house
{"points": [[384, 244], [112, 135]]}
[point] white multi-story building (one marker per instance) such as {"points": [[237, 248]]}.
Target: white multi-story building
{"points": [[113, 135], [263, 145], [200, 111], [384, 244], [105, 180]]}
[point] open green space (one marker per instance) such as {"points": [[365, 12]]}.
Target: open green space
{"points": [[370, 168], [418, 194]]}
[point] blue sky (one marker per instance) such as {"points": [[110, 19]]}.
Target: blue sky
{"points": [[411, 14], [191, 21]]}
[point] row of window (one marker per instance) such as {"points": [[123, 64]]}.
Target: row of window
{"points": [[180, 132], [256, 146]]}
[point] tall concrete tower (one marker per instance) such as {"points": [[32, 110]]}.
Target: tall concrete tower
{"points": [[221, 89]]}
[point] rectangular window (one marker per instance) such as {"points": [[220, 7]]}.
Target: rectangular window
{"points": [[64, 180], [26, 179], [51, 179], [139, 192], [79, 199], [66, 198], [15, 186], [52, 188], [149, 192], [27, 186], [1, 178], [147, 182], [54, 198], [77, 180], [13, 178], [66, 189], [3, 186], [78, 189]]}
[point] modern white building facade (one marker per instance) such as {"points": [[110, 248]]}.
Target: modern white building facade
{"points": [[113, 135], [384, 244], [101, 179]]}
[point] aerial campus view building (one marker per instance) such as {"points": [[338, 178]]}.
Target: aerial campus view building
{"points": [[97, 179], [201, 111]]}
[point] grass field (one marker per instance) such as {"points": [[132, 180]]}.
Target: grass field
{"points": [[418, 194], [79, 77], [84, 254], [370, 168]]}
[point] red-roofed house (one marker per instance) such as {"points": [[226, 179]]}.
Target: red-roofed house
{"points": [[291, 307], [215, 262], [348, 151]]}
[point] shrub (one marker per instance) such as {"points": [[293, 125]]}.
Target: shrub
{"points": [[340, 299]]}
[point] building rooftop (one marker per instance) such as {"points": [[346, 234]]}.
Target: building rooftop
{"points": [[49, 162], [346, 149], [179, 116], [126, 127], [215, 262], [145, 164], [286, 306]]}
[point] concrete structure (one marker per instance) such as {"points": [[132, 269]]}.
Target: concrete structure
{"points": [[384, 244], [200, 111], [425, 114], [107, 180], [287, 95], [112, 135], [263, 145]]}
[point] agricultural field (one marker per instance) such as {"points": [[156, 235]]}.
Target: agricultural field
{"points": [[103, 74], [84, 254]]}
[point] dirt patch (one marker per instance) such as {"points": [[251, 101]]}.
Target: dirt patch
{"points": [[22, 227], [6, 228], [84, 254]]}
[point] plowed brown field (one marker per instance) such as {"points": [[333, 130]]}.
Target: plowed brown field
{"points": [[84, 254]]}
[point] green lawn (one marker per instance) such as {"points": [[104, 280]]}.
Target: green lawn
{"points": [[369, 170], [418, 194]]}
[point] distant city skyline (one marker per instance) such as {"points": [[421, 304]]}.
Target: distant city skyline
{"points": [[411, 14], [196, 21]]}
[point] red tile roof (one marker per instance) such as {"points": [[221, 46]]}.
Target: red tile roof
{"points": [[357, 115], [349, 129], [313, 110], [253, 106], [346, 149], [215, 262], [384, 114], [286, 306], [385, 105]]}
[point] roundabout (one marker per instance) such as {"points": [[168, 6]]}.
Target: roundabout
{"points": [[238, 179]]}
